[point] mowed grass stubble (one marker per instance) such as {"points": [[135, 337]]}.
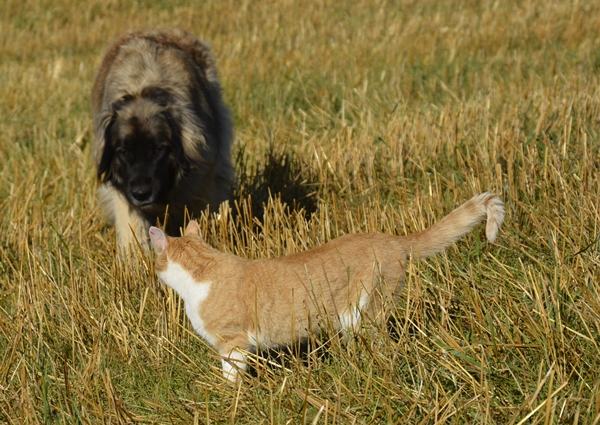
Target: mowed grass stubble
{"points": [[390, 115]]}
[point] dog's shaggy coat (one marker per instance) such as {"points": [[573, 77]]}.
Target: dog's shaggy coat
{"points": [[162, 133], [237, 304]]}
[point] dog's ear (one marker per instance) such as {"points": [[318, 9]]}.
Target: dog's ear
{"points": [[177, 141], [159, 240], [192, 229], [108, 151], [106, 122]]}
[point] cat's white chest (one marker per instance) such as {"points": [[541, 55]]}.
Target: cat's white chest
{"points": [[193, 294]]}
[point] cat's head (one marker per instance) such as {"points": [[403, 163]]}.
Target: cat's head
{"points": [[161, 242]]}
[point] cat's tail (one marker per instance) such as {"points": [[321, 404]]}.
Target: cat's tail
{"points": [[460, 221]]}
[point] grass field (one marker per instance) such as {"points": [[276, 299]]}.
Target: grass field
{"points": [[367, 116]]}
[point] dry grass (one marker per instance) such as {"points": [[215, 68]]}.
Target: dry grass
{"points": [[391, 114]]}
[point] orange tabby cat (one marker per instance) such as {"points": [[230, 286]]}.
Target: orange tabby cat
{"points": [[236, 304]]}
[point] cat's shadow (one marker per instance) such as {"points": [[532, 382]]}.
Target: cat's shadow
{"points": [[317, 347], [285, 356]]}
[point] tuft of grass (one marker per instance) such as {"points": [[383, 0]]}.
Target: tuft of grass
{"points": [[364, 117]]}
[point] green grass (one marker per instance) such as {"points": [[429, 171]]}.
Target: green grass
{"points": [[372, 116]]}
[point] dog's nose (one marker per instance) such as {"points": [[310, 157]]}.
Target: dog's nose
{"points": [[141, 193]]}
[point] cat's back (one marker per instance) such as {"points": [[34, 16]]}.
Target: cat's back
{"points": [[358, 247], [354, 250]]}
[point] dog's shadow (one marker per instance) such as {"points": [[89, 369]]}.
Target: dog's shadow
{"points": [[279, 174]]}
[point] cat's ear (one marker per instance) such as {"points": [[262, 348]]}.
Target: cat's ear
{"points": [[159, 240], [192, 229]]}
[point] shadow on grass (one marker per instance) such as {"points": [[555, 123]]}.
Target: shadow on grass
{"points": [[321, 346], [279, 174], [284, 356]]}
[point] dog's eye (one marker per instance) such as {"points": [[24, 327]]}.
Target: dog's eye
{"points": [[158, 150]]}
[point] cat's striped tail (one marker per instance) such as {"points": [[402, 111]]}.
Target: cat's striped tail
{"points": [[460, 221]]}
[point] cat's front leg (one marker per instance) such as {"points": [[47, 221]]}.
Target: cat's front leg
{"points": [[232, 363]]}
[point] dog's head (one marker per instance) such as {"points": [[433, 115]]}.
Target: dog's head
{"points": [[143, 154]]}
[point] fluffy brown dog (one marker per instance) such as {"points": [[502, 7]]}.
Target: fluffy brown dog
{"points": [[162, 133]]}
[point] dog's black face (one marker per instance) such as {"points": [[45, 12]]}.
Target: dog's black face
{"points": [[143, 155]]}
